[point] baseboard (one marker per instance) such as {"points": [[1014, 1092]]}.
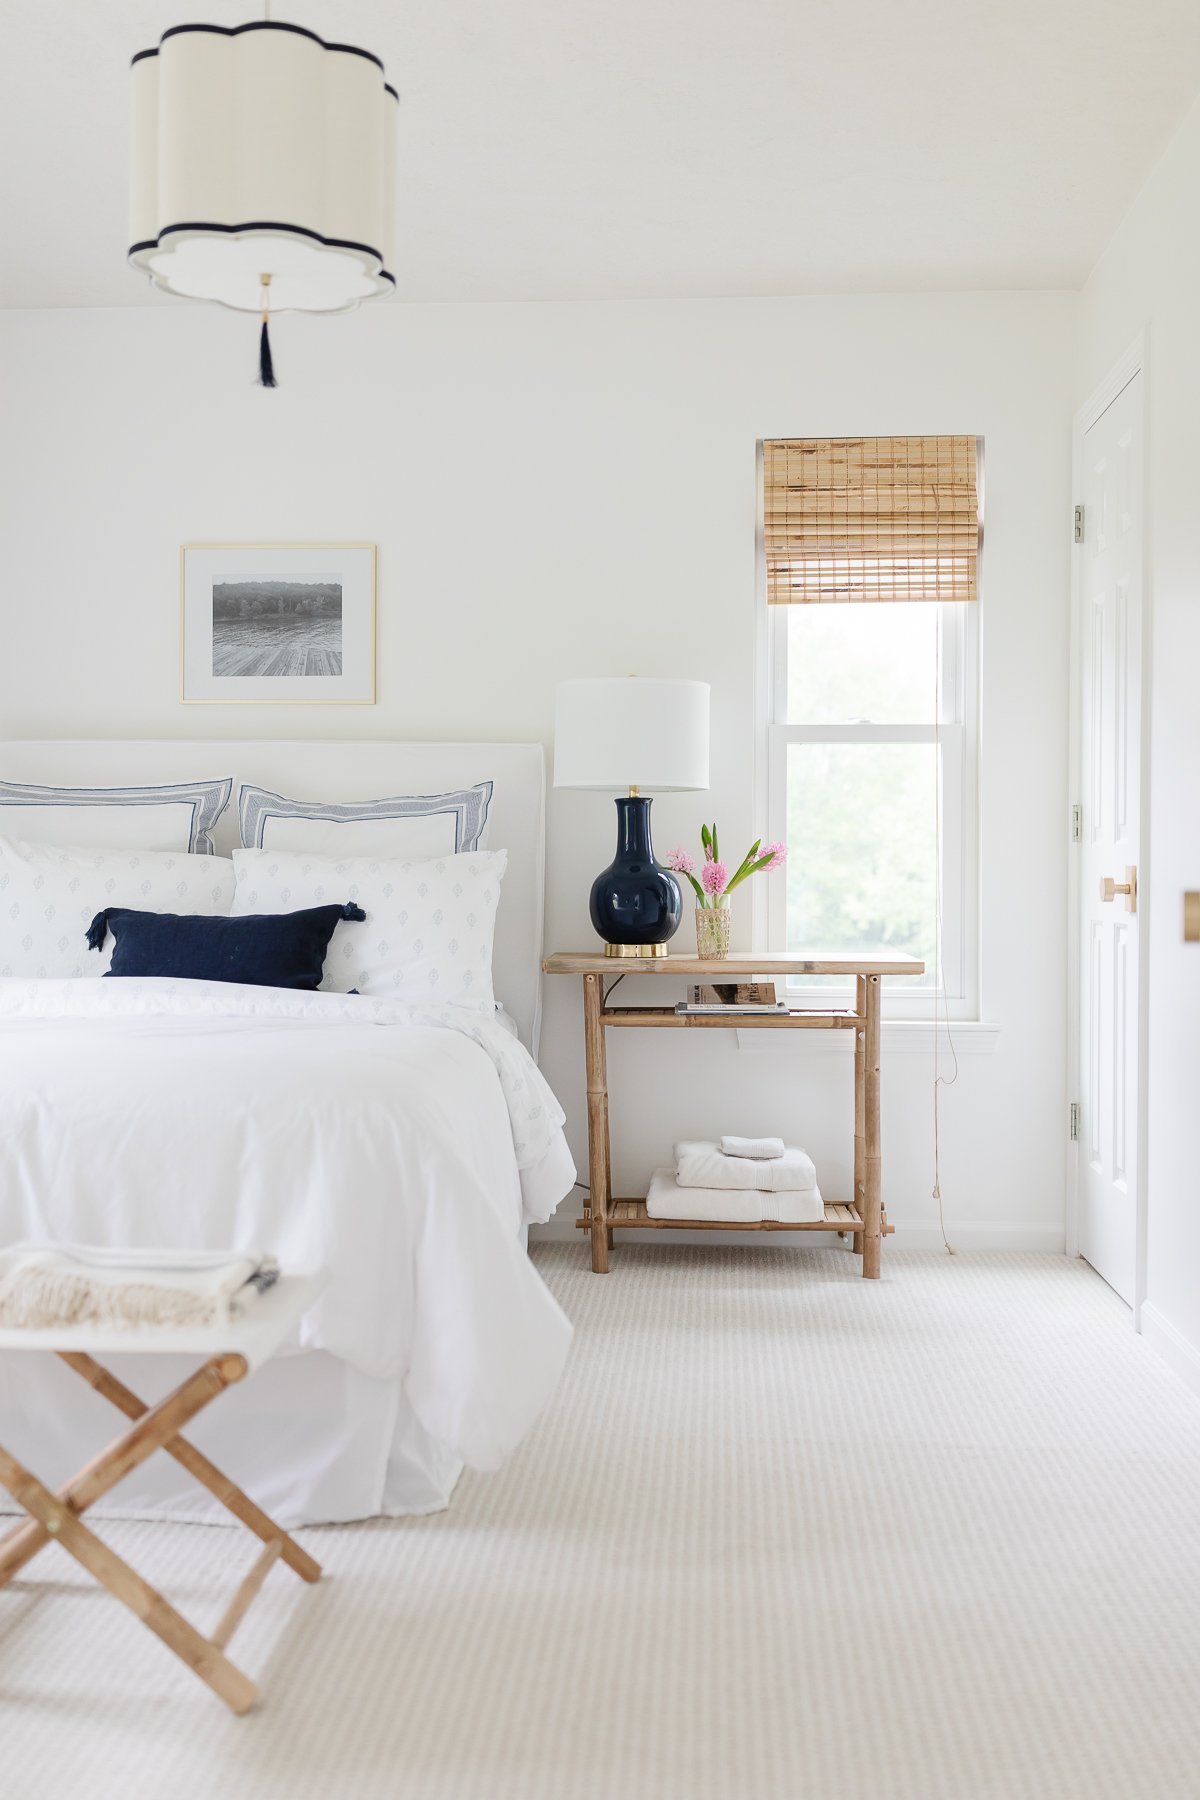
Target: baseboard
{"points": [[1024, 1235], [925, 1236], [1171, 1345]]}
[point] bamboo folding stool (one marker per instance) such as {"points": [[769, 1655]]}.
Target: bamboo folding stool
{"points": [[230, 1353]]}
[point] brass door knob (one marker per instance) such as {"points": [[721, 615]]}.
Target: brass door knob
{"points": [[1109, 889]]}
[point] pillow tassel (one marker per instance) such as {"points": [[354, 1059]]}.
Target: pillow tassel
{"points": [[351, 911], [97, 931]]}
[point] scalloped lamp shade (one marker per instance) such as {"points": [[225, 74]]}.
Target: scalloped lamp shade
{"points": [[258, 151]]}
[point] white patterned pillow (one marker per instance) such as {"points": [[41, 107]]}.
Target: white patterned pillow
{"points": [[427, 938], [49, 896]]}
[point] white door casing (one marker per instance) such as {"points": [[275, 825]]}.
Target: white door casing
{"points": [[1109, 675]]}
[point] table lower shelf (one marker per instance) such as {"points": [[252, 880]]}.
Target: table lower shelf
{"points": [[631, 1215]]}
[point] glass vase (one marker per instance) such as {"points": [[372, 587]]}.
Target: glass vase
{"points": [[712, 931]]}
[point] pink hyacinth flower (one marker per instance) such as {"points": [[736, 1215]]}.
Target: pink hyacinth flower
{"points": [[777, 854], [713, 877], [681, 862]]}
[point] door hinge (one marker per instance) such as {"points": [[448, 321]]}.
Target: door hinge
{"points": [[1076, 823], [1074, 1121], [1079, 524]]}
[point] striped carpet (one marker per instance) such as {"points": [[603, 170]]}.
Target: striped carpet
{"points": [[782, 1534]]}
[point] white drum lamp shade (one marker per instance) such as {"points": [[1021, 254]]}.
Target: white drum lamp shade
{"points": [[631, 731], [258, 151]]}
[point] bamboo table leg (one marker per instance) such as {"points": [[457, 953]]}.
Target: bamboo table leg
{"points": [[860, 1104], [872, 1232], [597, 1105]]}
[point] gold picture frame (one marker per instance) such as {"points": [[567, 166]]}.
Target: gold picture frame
{"points": [[290, 648]]}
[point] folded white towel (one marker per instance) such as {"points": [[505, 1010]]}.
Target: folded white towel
{"points": [[760, 1149], [702, 1165], [741, 1206], [43, 1286]]}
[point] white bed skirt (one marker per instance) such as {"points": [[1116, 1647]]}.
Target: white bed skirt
{"points": [[311, 1439]]}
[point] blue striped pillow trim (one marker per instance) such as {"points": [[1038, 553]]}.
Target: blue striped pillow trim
{"points": [[469, 807], [208, 801]]}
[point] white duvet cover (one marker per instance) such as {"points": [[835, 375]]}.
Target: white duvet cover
{"points": [[398, 1148]]}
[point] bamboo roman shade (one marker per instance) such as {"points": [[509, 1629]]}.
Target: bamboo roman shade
{"points": [[888, 518]]}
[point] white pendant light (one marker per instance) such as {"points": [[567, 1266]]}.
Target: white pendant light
{"points": [[263, 169]]}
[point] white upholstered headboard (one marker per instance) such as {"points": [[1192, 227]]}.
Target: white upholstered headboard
{"points": [[350, 771]]}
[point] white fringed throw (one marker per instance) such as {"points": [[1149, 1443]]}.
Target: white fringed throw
{"points": [[44, 1287]]}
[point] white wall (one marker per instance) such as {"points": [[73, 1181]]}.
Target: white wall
{"points": [[1148, 279], [560, 490]]}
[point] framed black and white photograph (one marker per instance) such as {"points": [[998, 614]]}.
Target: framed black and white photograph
{"points": [[265, 623]]}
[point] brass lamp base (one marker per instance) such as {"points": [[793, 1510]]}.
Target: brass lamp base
{"points": [[635, 950]]}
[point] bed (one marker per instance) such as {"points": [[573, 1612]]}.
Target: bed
{"points": [[404, 1147]]}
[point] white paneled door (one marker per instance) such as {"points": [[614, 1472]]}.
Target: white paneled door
{"points": [[1109, 647]]}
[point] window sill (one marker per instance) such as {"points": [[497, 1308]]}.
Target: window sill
{"points": [[902, 1037]]}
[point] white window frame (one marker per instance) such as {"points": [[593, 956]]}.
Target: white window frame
{"points": [[958, 735]]}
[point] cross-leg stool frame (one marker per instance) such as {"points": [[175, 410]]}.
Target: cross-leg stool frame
{"points": [[154, 1428]]}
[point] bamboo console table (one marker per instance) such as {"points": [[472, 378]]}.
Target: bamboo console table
{"points": [[863, 1215]]}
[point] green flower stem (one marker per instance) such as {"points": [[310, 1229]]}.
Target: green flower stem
{"points": [[743, 868], [750, 864], [743, 873]]}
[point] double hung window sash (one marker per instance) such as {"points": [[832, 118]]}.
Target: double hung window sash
{"points": [[870, 547]]}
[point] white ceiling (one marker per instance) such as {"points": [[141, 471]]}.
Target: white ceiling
{"points": [[566, 149]]}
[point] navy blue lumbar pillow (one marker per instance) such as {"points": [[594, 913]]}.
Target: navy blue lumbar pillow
{"points": [[285, 950]]}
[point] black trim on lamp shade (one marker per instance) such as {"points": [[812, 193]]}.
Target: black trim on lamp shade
{"points": [[635, 900], [264, 25], [262, 225]]}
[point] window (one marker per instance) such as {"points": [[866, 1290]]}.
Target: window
{"points": [[871, 751]]}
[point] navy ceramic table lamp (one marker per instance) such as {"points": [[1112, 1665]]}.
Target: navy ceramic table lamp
{"points": [[633, 732]]}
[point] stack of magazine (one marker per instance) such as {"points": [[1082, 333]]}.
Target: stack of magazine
{"points": [[732, 996]]}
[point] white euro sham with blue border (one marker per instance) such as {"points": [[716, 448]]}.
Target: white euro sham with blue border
{"points": [[408, 826], [176, 816]]}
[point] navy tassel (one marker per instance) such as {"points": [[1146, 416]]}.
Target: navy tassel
{"points": [[351, 911], [266, 368], [98, 930]]}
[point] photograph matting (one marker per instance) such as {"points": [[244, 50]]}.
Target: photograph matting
{"points": [[277, 624]]}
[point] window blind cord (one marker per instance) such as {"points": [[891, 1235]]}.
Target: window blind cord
{"points": [[939, 1080]]}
